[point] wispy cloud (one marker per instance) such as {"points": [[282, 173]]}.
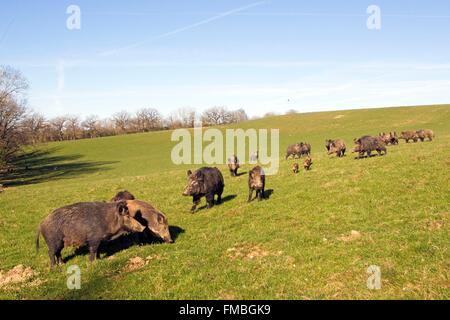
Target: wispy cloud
{"points": [[182, 29]]}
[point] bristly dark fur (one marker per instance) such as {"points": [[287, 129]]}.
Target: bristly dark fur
{"points": [[205, 182]]}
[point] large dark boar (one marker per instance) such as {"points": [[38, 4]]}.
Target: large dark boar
{"points": [[367, 144], [123, 196], [425, 134], [294, 150], [85, 223], [409, 135], [256, 182], [205, 182], [336, 146], [233, 165], [151, 218]]}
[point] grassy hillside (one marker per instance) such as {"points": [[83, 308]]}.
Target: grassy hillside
{"points": [[294, 245]]}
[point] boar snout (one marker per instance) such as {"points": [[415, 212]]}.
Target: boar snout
{"points": [[168, 240]]}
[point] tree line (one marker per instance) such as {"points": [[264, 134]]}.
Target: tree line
{"points": [[20, 126]]}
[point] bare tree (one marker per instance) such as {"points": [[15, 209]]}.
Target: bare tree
{"points": [[238, 116], [187, 117], [13, 112], [35, 127], [58, 127], [122, 121], [216, 116], [91, 126], [148, 119], [72, 127]]}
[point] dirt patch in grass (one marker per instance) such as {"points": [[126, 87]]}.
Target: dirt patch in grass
{"points": [[249, 252], [353, 236], [226, 296], [137, 263], [19, 275]]}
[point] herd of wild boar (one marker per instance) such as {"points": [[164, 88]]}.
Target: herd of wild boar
{"points": [[91, 223]]}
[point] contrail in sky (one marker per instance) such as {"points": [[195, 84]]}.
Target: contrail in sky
{"points": [[5, 33], [182, 29]]}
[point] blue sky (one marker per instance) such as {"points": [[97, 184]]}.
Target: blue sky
{"points": [[263, 56]]}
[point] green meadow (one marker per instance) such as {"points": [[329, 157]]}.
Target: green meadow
{"points": [[297, 244]]}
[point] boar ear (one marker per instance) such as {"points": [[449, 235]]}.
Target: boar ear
{"points": [[160, 219], [199, 175], [122, 208], [189, 172]]}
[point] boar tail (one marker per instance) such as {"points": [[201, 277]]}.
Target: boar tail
{"points": [[37, 239]]}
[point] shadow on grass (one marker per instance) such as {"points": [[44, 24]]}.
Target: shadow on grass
{"points": [[109, 248], [224, 199], [42, 165], [268, 193]]}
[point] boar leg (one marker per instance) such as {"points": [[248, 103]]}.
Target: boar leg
{"points": [[93, 250], [51, 255], [59, 259], [210, 200], [250, 195], [219, 198], [196, 201], [260, 194]]}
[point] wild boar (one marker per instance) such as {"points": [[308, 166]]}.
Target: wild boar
{"points": [[409, 135], [85, 223], [328, 144], [204, 182], [307, 163], [123, 195], [385, 137], [305, 149], [151, 218], [367, 144], [294, 150], [393, 138], [425, 134], [233, 165], [336, 146], [295, 168], [256, 182]]}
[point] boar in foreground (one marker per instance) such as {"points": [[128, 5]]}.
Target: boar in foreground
{"points": [[336, 146], [233, 165], [256, 182], [367, 144], [425, 134], [123, 196], [295, 168], [85, 223], [409, 135], [204, 182], [151, 218]]}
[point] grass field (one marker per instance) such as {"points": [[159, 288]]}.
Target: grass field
{"points": [[295, 245]]}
